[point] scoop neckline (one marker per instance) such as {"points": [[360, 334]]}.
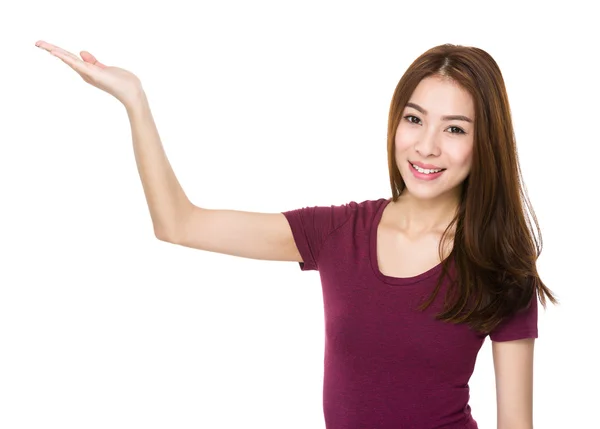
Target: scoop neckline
{"points": [[403, 281]]}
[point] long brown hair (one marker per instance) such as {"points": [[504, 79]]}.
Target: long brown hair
{"points": [[495, 246]]}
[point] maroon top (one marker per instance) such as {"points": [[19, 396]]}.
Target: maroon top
{"points": [[387, 364]]}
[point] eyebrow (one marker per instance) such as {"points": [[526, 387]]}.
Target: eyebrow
{"points": [[444, 118]]}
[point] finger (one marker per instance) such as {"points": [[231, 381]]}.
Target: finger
{"points": [[53, 48], [76, 64], [70, 59], [89, 58]]}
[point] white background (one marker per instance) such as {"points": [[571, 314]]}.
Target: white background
{"points": [[261, 106]]}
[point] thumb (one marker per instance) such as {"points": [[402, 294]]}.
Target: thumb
{"points": [[89, 58]]}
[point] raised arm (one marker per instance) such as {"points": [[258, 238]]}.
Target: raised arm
{"points": [[175, 219]]}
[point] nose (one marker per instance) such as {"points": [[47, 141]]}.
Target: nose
{"points": [[427, 143]]}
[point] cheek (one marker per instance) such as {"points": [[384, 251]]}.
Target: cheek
{"points": [[404, 139], [461, 156], [401, 145]]}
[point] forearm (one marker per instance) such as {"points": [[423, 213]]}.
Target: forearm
{"points": [[166, 199]]}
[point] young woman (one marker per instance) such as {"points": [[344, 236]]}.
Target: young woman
{"points": [[412, 284]]}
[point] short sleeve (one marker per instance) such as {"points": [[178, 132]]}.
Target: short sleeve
{"points": [[523, 324], [311, 226]]}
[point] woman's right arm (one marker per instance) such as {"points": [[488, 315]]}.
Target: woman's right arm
{"points": [[266, 236]]}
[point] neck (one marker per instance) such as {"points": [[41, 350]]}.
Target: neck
{"points": [[422, 216]]}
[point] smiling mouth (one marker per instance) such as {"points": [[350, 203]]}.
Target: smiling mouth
{"points": [[426, 170]]}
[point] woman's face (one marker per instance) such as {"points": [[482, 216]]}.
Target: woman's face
{"points": [[434, 140]]}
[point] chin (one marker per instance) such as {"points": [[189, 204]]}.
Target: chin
{"points": [[424, 194], [430, 189]]}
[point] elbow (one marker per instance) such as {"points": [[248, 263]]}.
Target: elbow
{"points": [[173, 228], [165, 234], [161, 235]]}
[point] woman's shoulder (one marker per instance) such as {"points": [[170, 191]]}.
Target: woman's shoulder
{"points": [[363, 211], [371, 204]]}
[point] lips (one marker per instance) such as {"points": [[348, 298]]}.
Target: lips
{"points": [[427, 174], [426, 166]]}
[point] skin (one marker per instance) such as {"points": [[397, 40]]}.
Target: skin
{"points": [[118, 82]]}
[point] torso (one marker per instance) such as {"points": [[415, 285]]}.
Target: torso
{"points": [[387, 364]]}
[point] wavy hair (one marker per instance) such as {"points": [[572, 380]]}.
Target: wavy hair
{"points": [[495, 246]]}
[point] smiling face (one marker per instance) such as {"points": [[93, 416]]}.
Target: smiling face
{"points": [[434, 139]]}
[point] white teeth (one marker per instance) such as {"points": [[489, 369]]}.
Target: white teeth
{"points": [[425, 170]]}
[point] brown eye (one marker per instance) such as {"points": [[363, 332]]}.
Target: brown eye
{"points": [[410, 118], [460, 130]]}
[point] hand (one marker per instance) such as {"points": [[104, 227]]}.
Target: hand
{"points": [[120, 83]]}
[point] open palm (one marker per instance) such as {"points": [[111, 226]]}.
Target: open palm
{"points": [[120, 83]]}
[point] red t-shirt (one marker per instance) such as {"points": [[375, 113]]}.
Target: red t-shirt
{"points": [[387, 364]]}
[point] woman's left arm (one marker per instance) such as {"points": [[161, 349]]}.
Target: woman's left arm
{"points": [[513, 368]]}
